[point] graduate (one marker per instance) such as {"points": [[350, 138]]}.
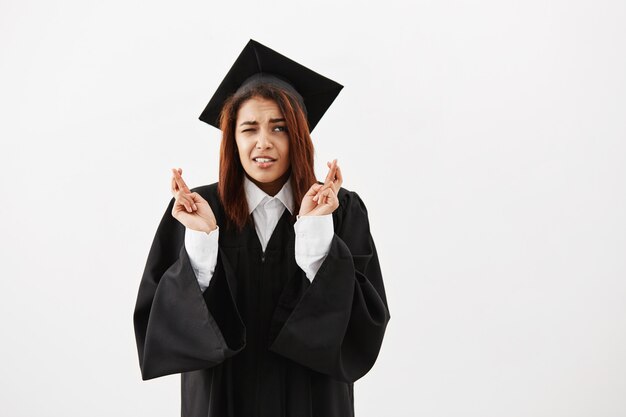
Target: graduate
{"points": [[263, 290]]}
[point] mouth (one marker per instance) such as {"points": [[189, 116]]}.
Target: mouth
{"points": [[264, 162]]}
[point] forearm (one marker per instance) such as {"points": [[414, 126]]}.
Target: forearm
{"points": [[313, 237], [202, 248]]}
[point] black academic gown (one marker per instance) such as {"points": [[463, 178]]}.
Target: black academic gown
{"points": [[263, 340]]}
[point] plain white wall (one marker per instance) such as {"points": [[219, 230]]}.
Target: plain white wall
{"points": [[487, 139]]}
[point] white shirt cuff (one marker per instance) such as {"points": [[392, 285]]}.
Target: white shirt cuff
{"points": [[202, 249], [314, 235]]}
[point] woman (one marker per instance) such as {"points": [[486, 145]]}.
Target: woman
{"points": [[263, 290]]}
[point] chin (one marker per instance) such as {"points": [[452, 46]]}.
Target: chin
{"points": [[265, 177]]}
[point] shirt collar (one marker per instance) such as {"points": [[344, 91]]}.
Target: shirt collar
{"points": [[254, 195]]}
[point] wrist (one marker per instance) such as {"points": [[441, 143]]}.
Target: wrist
{"points": [[313, 213], [209, 228]]}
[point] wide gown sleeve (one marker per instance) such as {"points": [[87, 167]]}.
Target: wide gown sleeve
{"points": [[337, 326], [175, 329]]}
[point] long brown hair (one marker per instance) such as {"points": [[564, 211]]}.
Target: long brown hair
{"points": [[230, 187]]}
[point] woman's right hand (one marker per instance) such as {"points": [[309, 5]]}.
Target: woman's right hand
{"points": [[191, 209]]}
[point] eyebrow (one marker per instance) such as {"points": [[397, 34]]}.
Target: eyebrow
{"points": [[252, 122]]}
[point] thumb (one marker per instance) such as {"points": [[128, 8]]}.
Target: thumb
{"points": [[314, 189]]}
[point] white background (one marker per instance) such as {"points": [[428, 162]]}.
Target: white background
{"points": [[487, 139]]}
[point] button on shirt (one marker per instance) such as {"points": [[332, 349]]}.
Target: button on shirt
{"points": [[313, 234]]}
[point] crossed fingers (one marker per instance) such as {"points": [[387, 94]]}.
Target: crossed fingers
{"points": [[333, 180], [181, 192]]}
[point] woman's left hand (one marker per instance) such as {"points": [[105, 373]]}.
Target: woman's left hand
{"points": [[321, 199]]}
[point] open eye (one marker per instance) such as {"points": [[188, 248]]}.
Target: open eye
{"points": [[281, 128]]}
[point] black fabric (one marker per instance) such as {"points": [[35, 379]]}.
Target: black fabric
{"points": [[264, 78], [262, 340]]}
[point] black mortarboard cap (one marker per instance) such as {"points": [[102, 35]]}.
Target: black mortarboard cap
{"points": [[258, 63]]}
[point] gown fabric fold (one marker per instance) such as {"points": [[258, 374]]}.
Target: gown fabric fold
{"points": [[263, 340]]}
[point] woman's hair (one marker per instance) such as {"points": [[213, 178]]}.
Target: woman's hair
{"points": [[230, 187]]}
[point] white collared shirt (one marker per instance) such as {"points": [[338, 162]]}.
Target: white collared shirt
{"points": [[313, 234], [266, 210]]}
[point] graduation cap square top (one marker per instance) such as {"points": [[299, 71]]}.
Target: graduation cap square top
{"points": [[259, 64]]}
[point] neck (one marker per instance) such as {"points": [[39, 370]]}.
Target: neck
{"points": [[271, 188]]}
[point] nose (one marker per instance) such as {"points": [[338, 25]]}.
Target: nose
{"points": [[263, 141]]}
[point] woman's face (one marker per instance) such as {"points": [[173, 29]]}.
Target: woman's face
{"points": [[263, 143]]}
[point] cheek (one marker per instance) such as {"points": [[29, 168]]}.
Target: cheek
{"points": [[284, 149], [286, 157], [242, 150]]}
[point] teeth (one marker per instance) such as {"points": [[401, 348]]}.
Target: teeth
{"points": [[263, 159]]}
